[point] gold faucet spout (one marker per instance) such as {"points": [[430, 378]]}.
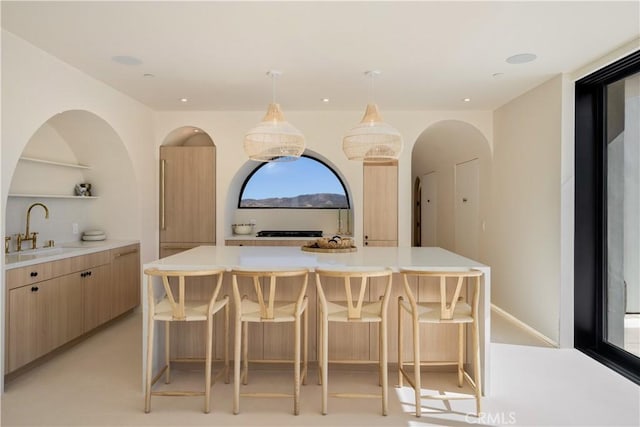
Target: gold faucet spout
{"points": [[46, 215]]}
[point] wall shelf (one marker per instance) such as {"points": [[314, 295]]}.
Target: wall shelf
{"points": [[54, 163], [51, 196]]}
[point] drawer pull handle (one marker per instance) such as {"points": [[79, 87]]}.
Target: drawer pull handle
{"points": [[34, 289], [34, 274], [134, 251]]}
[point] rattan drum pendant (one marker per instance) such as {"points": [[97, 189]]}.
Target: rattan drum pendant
{"points": [[274, 138], [372, 140]]}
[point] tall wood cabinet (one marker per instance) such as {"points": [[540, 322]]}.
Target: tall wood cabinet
{"points": [[380, 204], [187, 196]]}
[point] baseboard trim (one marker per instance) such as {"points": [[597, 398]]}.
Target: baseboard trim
{"points": [[519, 323]]}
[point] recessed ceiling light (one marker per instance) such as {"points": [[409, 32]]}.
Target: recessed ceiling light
{"points": [[325, 100], [148, 75], [196, 130], [183, 99], [467, 100], [126, 60], [497, 75], [521, 58]]}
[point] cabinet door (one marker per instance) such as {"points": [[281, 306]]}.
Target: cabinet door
{"points": [[125, 279], [97, 292], [22, 327], [187, 194], [380, 210], [42, 317]]}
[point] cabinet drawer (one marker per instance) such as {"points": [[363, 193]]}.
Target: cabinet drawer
{"points": [[17, 277], [22, 276], [124, 251], [84, 262]]}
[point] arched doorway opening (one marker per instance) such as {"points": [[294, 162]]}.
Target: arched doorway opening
{"points": [[451, 165]]}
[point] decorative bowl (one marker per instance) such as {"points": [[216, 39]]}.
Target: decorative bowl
{"points": [[242, 228]]}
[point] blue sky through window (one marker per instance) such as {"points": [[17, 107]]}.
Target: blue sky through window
{"points": [[290, 179]]}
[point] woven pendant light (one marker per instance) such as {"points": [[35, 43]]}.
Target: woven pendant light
{"points": [[372, 140], [274, 138]]}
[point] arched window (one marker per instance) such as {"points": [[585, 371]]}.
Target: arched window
{"points": [[305, 183]]}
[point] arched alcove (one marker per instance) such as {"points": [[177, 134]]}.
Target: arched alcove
{"points": [[73, 147], [442, 149], [303, 219]]}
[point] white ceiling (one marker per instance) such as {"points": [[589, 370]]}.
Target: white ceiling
{"points": [[431, 54]]}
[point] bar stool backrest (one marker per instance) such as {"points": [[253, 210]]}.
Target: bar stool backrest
{"points": [[447, 305], [177, 302], [350, 279], [266, 296]]}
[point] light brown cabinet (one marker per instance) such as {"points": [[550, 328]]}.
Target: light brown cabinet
{"points": [[380, 204], [42, 316], [97, 291], [52, 303], [125, 279], [187, 194]]}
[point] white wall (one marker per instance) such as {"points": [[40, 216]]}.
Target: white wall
{"points": [[525, 254], [36, 87]]}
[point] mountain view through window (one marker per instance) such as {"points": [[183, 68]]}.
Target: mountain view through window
{"points": [[305, 183]]}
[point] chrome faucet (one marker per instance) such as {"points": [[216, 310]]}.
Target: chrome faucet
{"points": [[30, 236]]}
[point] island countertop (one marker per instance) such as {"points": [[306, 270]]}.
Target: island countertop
{"points": [[228, 257], [395, 258]]}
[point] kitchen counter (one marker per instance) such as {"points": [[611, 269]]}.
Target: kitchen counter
{"points": [[64, 250], [228, 257]]}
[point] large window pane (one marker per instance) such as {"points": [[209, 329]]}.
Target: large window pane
{"points": [[622, 320], [305, 183]]}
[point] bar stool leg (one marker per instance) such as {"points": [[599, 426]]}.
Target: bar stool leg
{"points": [[226, 343], [319, 348], [296, 368], [236, 366], [167, 351], [476, 359], [325, 364], [147, 391], [416, 364], [245, 353], [385, 373], [207, 374], [400, 344], [461, 347], [305, 345]]}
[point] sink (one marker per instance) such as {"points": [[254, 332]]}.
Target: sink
{"points": [[36, 254]]}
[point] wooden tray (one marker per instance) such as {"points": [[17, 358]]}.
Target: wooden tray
{"points": [[329, 250]]}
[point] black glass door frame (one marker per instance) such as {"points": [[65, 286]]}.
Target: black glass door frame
{"points": [[590, 241]]}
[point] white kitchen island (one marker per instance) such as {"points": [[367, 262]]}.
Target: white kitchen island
{"points": [[206, 257]]}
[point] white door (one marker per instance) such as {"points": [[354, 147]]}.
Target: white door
{"points": [[429, 210], [467, 208]]}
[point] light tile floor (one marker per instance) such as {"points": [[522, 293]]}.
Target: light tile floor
{"points": [[98, 383]]}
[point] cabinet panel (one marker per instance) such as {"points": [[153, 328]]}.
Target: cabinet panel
{"points": [[380, 204], [187, 194], [42, 317], [97, 290], [125, 279], [22, 327]]}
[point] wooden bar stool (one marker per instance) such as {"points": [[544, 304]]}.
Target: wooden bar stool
{"points": [[176, 308], [269, 306], [351, 307], [450, 309]]}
